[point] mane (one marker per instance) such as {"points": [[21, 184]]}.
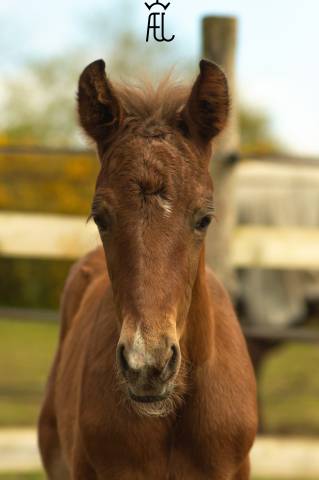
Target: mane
{"points": [[145, 101]]}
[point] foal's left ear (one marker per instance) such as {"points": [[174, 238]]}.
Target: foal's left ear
{"points": [[100, 111], [206, 110]]}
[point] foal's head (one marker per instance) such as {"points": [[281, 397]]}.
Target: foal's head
{"points": [[153, 203]]}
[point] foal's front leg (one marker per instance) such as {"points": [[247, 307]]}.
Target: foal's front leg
{"points": [[200, 475], [81, 468], [244, 471]]}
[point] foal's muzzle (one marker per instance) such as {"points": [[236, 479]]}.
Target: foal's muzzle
{"points": [[148, 374]]}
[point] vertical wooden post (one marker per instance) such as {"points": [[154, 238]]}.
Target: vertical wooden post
{"points": [[219, 45]]}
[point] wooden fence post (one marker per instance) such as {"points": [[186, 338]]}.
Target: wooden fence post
{"points": [[219, 45]]}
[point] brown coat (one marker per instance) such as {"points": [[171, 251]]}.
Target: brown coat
{"points": [[152, 379]]}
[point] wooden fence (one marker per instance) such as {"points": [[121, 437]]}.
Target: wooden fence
{"points": [[69, 237]]}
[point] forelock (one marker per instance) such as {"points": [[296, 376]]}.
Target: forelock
{"points": [[144, 101]]}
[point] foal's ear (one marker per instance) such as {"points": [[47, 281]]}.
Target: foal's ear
{"points": [[206, 110], [100, 112]]}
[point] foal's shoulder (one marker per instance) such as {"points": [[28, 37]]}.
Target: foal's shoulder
{"points": [[84, 271], [227, 324], [217, 289], [81, 275], [92, 263], [224, 311]]}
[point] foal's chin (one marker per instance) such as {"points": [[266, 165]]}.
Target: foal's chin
{"points": [[152, 406], [155, 406]]}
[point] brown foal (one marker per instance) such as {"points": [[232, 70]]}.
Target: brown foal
{"points": [[151, 379]]}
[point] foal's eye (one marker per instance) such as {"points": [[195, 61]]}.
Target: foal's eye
{"points": [[202, 224], [102, 221]]}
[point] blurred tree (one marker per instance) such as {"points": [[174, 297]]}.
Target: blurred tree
{"points": [[255, 133], [39, 104], [40, 101]]}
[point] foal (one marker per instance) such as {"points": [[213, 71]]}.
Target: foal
{"points": [[151, 379]]}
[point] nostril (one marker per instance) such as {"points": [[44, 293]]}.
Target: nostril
{"points": [[171, 364], [122, 359], [174, 357]]}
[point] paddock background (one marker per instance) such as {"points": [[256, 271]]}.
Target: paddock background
{"points": [[45, 195]]}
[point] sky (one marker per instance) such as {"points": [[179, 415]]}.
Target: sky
{"points": [[277, 58]]}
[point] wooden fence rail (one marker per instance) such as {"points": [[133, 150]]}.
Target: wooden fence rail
{"points": [[69, 237]]}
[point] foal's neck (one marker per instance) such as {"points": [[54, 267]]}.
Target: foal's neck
{"points": [[199, 333]]}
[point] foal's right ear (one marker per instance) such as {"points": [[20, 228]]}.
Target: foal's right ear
{"points": [[100, 111], [206, 111]]}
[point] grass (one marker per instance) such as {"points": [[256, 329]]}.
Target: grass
{"points": [[22, 476], [25, 356], [289, 389], [289, 385]]}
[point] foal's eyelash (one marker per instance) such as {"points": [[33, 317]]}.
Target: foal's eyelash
{"points": [[94, 212], [98, 206], [89, 217]]}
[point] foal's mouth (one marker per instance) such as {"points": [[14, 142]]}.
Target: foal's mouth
{"points": [[160, 402], [147, 398], [153, 405]]}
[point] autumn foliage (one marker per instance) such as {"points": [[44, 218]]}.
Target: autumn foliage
{"points": [[44, 181]]}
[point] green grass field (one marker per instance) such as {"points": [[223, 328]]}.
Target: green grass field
{"points": [[289, 389], [289, 385], [22, 476], [25, 355]]}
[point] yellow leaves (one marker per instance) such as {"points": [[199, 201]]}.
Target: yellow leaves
{"points": [[5, 195], [3, 139], [47, 180]]}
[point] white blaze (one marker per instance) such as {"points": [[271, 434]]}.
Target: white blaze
{"points": [[165, 205], [137, 355]]}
